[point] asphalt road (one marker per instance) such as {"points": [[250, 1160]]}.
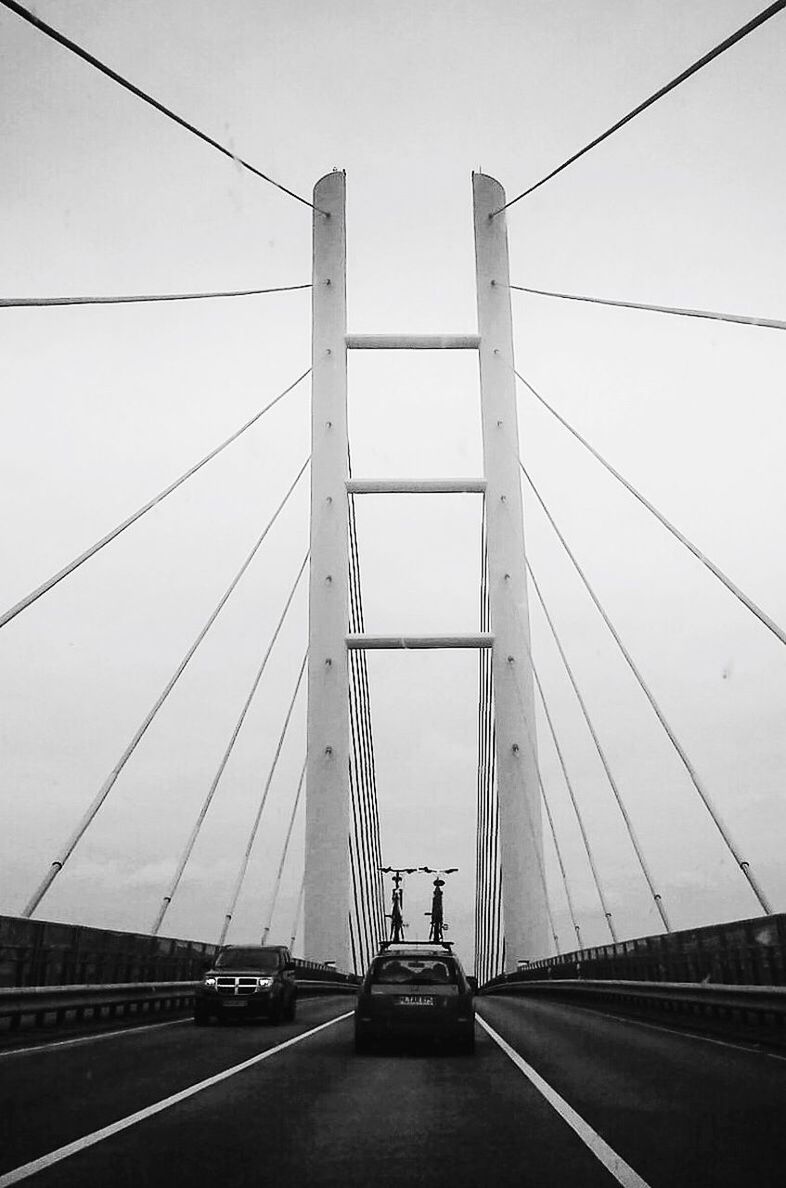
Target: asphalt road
{"points": [[576, 1098]]}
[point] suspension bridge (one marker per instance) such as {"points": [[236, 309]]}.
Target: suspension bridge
{"points": [[579, 1077]]}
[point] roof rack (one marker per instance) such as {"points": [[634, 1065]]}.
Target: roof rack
{"points": [[389, 944]]}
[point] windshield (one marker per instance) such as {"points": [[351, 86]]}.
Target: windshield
{"points": [[234, 958], [414, 971]]}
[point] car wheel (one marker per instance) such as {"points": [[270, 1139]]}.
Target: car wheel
{"points": [[291, 1010], [276, 1013]]}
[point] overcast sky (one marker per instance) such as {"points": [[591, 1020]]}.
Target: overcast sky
{"points": [[104, 406]]}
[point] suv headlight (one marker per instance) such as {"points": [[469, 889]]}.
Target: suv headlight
{"points": [[209, 982], [264, 983]]}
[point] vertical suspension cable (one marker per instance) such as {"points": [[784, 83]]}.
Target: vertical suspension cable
{"points": [[692, 773], [284, 852], [189, 846], [70, 845], [602, 756], [252, 835]]}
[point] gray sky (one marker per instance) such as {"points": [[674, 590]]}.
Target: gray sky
{"points": [[104, 406]]}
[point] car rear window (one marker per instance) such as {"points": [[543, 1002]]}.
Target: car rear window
{"points": [[414, 971]]}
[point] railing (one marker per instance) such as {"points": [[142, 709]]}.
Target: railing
{"points": [[742, 953], [41, 953], [759, 1004], [57, 1005], [53, 973]]}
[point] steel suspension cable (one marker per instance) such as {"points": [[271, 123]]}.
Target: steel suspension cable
{"points": [[359, 670], [28, 302], [255, 827], [360, 818], [298, 909], [66, 42], [657, 897], [739, 319], [285, 851], [360, 850], [544, 798], [537, 843], [363, 940], [189, 846], [579, 816], [675, 532], [358, 860], [46, 586], [692, 773], [59, 862], [359, 778], [765, 15]]}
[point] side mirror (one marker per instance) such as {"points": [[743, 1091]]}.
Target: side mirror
{"points": [[289, 967], [205, 966], [473, 984]]}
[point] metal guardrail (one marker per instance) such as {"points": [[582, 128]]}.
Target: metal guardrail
{"points": [[748, 952], [757, 1000], [40, 1003]]}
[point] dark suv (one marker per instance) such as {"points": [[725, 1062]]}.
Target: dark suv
{"points": [[247, 982], [415, 992]]}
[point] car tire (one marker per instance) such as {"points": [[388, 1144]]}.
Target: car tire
{"points": [[291, 1010], [276, 1013]]}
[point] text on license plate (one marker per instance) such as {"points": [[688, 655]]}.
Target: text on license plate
{"points": [[415, 1000]]}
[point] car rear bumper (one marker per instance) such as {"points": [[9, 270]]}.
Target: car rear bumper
{"points": [[415, 1029]]}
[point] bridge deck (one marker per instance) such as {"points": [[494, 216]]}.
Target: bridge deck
{"points": [[678, 1110]]}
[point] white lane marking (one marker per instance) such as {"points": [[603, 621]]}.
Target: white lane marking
{"points": [[98, 1136], [623, 1173], [89, 1039], [696, 1035]]}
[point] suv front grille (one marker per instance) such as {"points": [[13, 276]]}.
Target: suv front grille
{"points": [[236, 986]]}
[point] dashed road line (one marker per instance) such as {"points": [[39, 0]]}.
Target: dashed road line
{"points": [[89, 1140], [623, 1173]]}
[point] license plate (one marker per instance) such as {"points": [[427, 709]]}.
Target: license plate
{"points": [[233, 1006], [415, 1000]]}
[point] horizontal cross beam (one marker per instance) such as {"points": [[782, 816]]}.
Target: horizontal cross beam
{"points": [[413, 342], [393, 486], [485, 639]]}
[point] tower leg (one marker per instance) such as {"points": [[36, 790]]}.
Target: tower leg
{"points": [[327, 874], [521, 856]]}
